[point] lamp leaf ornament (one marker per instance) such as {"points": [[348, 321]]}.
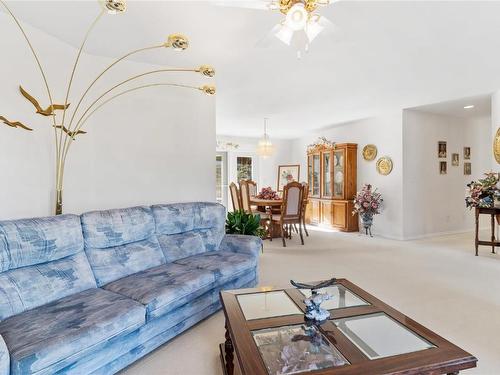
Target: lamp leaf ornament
{"points": [[67, 128]]}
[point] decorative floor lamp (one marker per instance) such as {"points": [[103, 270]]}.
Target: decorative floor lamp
{"points": [[67, 128]]}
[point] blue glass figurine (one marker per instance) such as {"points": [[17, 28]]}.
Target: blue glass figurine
{"points": [[314, 311]]}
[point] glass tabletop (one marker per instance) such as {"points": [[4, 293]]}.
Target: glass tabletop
{"points": [[378, 335], [267, 304], [295, 349], [342, 297]]}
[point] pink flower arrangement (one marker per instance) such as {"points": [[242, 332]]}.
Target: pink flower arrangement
{"points": [[268, 193], [367, 201]]}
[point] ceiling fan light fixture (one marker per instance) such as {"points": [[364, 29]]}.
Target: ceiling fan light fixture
{"points": [[313, 29], [265, 147], [297, 17], [285, 34]]}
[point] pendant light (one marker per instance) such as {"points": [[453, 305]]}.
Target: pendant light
{"points": [[265, 147]]}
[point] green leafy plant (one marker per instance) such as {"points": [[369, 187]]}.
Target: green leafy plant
{"points": [[239, 222]]}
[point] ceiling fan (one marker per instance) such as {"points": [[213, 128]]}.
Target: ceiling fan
{"points": [[301, 25]]}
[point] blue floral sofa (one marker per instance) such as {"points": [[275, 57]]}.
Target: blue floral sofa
{"points": [[91, 294]]}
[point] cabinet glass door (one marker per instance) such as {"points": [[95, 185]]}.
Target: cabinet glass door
{"points": [[310, 173], [326, 174], [338, 174], [316, 171]]}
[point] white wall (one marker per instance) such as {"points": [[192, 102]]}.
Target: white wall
{"points": [[149, 147], [265, 169], [495, 124], [386, 133], [434, 203]]}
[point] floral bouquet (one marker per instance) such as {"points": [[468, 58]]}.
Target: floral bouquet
{"points": [[483, 191], [367, 201], [269, 194]]}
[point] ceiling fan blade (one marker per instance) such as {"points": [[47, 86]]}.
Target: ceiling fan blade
{"points": [[247, 4]]}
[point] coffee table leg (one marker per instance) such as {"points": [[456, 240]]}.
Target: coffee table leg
{"points": [[229, 349]]}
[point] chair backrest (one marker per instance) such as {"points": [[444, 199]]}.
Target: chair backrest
{"points": [[252, 187], [292, 201], [305, 196], [245, 196], [235, 196]]}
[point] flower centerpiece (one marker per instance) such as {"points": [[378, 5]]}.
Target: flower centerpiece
{"points": [[367, 203], [268, 193], [482, 193]]}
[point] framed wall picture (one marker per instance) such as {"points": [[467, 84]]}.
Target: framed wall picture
{"points": [[442, 149], [467, 168], [287, 174], [443, 167], [455, 160], [467, 153]]}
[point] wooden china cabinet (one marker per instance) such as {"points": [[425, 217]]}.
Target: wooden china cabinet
{"points": [[332, 172]]}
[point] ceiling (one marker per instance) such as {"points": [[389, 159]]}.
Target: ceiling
{"points": [[455, 108], [383, 55]]}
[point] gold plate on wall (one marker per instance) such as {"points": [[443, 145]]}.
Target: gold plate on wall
{"points": [[496, 146], [384, 165], [369, 152]]}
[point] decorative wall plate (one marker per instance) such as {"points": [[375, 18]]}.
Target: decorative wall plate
{"points": [[369, 152], [384, 165], [496, 146]]}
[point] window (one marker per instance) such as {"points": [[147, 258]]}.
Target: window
{"points": [[244, 168], [218, 178]]}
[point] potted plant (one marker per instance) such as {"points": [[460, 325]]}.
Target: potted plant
{"points": [[240, 222], [367, 203]]}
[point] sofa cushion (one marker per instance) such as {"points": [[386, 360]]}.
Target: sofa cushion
{"points": [[103, 229], [224, 265], [120, 242], [68, 327], [205, 218], [29, 287], [4, 358], [181, 245], [164, 288], [28, 242], [114, 263]]}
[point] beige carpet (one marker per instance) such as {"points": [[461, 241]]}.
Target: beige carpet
{"points": [[438, 282]]}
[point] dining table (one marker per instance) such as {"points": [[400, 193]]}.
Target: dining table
{"points": [[263, 205]]}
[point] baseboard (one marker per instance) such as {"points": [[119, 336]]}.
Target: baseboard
{"points": [[439, 234]]}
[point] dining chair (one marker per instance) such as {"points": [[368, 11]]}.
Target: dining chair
{"points": [[246, 200], [305, 202], [252, 186], [235, 196], [291, 211]]}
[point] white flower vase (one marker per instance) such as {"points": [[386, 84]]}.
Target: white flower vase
{"points": [[367, 220]]}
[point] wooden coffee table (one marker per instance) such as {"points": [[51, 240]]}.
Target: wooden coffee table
{"points": [[266, 335]]}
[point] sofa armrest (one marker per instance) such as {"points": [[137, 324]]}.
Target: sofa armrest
{"points": [[4, 358], [238, 243]]}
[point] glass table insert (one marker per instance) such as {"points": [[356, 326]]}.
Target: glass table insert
{"points": [[342, 297], [267, 305], [378, 335], [296, 349]]}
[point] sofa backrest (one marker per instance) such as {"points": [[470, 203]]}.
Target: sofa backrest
{"points": [[120, 242], [41, 260], [185, 229]]}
